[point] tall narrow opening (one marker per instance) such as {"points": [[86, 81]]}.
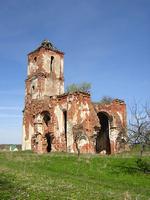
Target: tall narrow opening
{"points": [[49, 142], [48, 136], [32, 89], [51, 63], [102, 140], [65, 125], [35, 59]]}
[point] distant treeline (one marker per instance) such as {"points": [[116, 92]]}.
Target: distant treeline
{"points": [[7, 146]]}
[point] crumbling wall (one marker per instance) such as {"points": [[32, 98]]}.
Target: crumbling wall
{"points": [[80, 112], [33, 118], [116, 111], [82, 123], [55, 121], [45, 73]]}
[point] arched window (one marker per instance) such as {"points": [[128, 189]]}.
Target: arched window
{"points": [[51, 63], [32, 89], [35, 59], [46, 117]]}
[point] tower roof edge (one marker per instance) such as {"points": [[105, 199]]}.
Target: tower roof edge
{"points": [[46, 44]]}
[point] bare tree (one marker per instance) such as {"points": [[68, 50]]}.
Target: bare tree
{"points": [[139, 126], [78, 133], [76, 140]]}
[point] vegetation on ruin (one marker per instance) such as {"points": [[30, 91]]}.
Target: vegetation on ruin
{"points": [[106, 100], [25, 175], [83, 87]]}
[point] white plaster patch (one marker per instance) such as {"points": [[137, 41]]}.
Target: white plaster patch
{"points": [[26, 144], [120, 116], [62, 65], [23, 138], [46, 62], [39, 128], [70, 98], [113, 135], [64, 106], [69, 137], [84, 108], [38, 124], [56, 63], [38, 119], [33, 90], [74, 121], [82, 142], [61, 88], [31, 131], [59, 115], [31, 68], [69, 106]]}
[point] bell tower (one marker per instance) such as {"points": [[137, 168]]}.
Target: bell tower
{"points": [[45, 74], [45, 79]]}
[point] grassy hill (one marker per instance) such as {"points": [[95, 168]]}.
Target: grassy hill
{"points": [[25, 175]]}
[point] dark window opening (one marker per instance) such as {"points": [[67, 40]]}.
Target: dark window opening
{"points": [[51, 63], [49, 141], [65, 125], [33, 87], [102, 140], [46, 117], [35, 59]]}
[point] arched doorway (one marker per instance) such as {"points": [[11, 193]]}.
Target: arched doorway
{"points": [[46, 122], [102, 139], [46, 117]]}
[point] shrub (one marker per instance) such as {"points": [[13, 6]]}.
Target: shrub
{"points": [[143, 165]]}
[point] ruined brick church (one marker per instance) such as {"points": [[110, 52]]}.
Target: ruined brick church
{"points": [[66, 122]]}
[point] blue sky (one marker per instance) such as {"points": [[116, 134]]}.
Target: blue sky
{"points": [[106, 43]]}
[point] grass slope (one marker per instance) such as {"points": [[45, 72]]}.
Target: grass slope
{"points": [[25, 175]]}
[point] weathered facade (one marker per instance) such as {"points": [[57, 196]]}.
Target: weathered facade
{"points": [[58, 121]]}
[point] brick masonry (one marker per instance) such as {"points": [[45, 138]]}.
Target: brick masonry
{"points": [[66, 122]]}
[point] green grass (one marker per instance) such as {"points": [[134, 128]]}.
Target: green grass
{"points": [[27, 176]]}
